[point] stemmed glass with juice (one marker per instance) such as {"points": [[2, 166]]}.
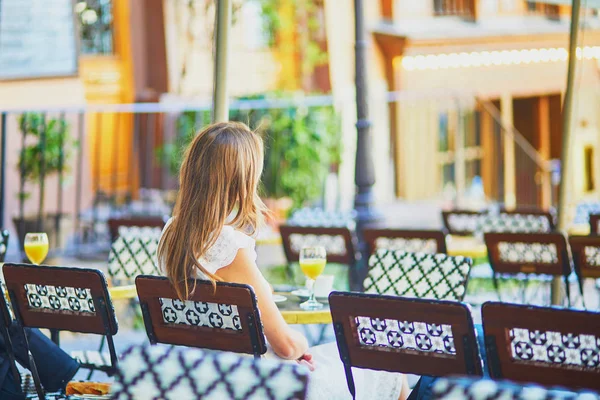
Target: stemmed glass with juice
{"points": [[36, 247], [312, 264]]}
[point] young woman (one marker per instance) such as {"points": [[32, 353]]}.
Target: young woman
{"points": [[210, 237]]}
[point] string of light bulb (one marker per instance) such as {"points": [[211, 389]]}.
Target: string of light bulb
{"points": [[499, 57]]}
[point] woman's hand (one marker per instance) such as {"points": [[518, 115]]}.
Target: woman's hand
{"points": [[307, 359]]}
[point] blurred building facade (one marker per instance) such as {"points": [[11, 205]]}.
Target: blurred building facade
{"points": [[466, 73], [448, 80]]}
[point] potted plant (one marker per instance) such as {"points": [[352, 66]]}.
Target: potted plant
{"points": [[48, 145]]}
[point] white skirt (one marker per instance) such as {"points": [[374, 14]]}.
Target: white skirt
{"points": [[328, 380]]}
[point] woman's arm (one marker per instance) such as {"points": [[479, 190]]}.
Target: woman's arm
{"points": [[287, 343]]}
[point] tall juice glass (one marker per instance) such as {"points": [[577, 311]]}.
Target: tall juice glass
{"points": [[36, 247], [312, 264]]}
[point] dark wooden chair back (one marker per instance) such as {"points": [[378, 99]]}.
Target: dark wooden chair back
{"points": [[62, 299], [114, 224], [586, 256], [594, 224], [223, 319], [529, 253], [585, 251], [3, 244], [340, 243], [461, 222], [518, 221], [548, 346], [419, 275], [396, 334], [412, 241]]}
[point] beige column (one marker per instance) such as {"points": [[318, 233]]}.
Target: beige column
{"points": [[510, 182], [544, 150], [457, 128]]}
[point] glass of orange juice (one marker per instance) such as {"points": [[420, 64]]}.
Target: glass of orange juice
{"points": [[312, 264], [36, 247]]}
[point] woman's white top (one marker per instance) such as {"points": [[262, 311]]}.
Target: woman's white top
{"points": [[224, 250]]}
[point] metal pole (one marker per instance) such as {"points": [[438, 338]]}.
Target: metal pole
{"points": [[2, 168], [222, 25], [563, 196], [364, 170], [364, 174]]}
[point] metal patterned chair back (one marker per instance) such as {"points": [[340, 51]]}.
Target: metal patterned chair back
{"points": [[396, 334], [64, 299], [516, 222], [418, 275], [115, 225], [421, 241], [223, 319], [594, 224], [461, 222], [3, 244], [466, 388], [548, 346], [158, 372], [133, 253], [339, 243], [322, 218], [529, 253], [584, 210]]}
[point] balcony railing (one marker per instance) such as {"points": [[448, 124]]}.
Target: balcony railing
{"points": [[466, 9], [550, 11]]}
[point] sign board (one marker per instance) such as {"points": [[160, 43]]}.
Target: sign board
{"points": [[38, 39]]}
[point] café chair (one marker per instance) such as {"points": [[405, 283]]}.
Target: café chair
{"points": [[412, 241], [545, 345], [133, 253], [461, 222], [418, 275], [412, 336], [525, 255], [65, 299], [29, 384], [222, 317], [164, 372], [518, 221], [584, 210], [315, 216], [468, 388], [594, 224], [3, 244], [115, 225], [585, 251], [339, 242]]}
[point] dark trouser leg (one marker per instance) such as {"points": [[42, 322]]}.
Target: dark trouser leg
{"points": [[10, 389], [55, 367]]}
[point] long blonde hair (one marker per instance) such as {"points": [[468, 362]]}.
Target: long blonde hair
{"points": [[220, 173]]}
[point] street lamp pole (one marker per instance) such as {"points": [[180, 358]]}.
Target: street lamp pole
{"points": [[364, 173], [565, 159], [364, 176], [220, 90]]}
